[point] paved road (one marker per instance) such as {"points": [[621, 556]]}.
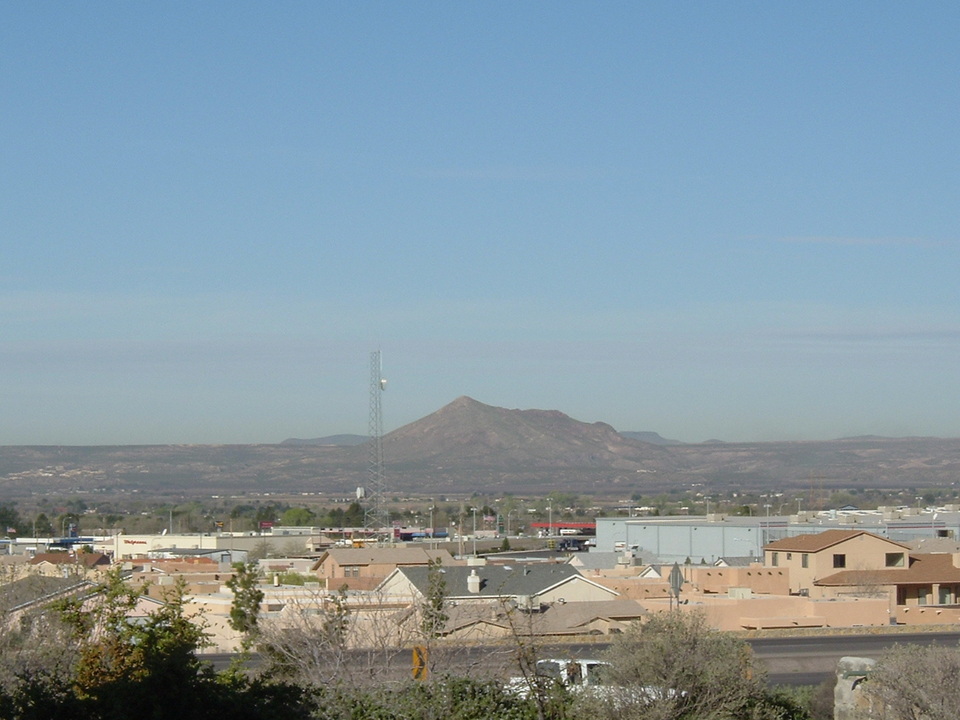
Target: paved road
{"points": [[789, 660], [810, 660]]}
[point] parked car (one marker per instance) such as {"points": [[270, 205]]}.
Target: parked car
{"points": [[588, 676], [574, 674]]}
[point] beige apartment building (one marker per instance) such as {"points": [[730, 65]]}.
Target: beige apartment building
{"points": [[920, 588], [811, 558]]}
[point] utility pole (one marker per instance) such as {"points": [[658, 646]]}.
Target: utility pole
{"points": [[474, 530]]}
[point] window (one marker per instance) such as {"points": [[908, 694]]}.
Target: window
{"points": [[775, 559], [550, 669], [895, 559], [789, 556], [805, 560], [839, 560]]}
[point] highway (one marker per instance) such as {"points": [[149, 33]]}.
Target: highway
{"points": [[788, 660], [810, 660]]}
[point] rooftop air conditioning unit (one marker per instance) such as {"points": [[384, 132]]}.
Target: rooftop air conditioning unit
{"points": [[527, 603]]}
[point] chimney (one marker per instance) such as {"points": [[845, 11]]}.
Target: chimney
{"points": [[473, 582]]}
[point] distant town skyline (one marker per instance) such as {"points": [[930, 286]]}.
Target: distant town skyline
{"points": [[729, 222]]}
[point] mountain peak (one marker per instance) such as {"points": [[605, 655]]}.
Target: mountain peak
{"points": [[466, 431], [464, 401]]}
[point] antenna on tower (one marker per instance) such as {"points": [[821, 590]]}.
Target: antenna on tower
{"points": [[376, 520]]}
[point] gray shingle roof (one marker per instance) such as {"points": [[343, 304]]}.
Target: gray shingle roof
{"points": [[495, 580], [36, 588], [384, 556]]}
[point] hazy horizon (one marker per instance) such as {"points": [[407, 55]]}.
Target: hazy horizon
{"points": [[309, 438]]}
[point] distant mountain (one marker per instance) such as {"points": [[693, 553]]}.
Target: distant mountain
{"points": [[468, 447], [329, 440], [650, 437], [468, 433]]}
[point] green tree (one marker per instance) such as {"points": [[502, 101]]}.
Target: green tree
{"points": [[9, 519], [144, 667], [266, 513], [682, 668], [298, 517], [245, 608], [354, 515], [124, 664], [65, 522], [434, 617], [455, 698], [242, 511], [42, 525]]}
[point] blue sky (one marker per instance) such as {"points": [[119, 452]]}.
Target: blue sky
{"points": [[734, 221]]}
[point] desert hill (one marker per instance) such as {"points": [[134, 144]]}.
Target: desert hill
{"points": [[335, 440], [468, 432], [649, 437], [467, 446]]}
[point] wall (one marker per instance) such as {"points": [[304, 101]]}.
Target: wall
{"points": [[761, 580], [770, 611], [675, 540]]}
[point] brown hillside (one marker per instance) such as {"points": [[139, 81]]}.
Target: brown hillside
{"points": [[467, 432]]}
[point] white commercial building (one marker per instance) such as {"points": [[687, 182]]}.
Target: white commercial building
{"points": [[708, 538]]}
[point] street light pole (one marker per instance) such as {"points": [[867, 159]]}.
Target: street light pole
{"points": [[550, 520], [474, 531]]}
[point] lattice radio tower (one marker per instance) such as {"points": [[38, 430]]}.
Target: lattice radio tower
{"points": [[376, 520]]}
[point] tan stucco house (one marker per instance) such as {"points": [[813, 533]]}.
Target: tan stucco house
{"points": [[344, 566], [810, 558]]}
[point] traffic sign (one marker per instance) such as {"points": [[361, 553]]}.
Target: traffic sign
{"points": [[676, 580]]}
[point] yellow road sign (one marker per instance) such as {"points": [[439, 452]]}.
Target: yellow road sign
{"points": [[420, 656]]}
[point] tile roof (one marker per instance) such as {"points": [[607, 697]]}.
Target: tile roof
{"points": [[923, 570], [814, 542]]}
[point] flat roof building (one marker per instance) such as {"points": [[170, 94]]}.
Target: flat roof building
{"points": [[705, 539]]}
